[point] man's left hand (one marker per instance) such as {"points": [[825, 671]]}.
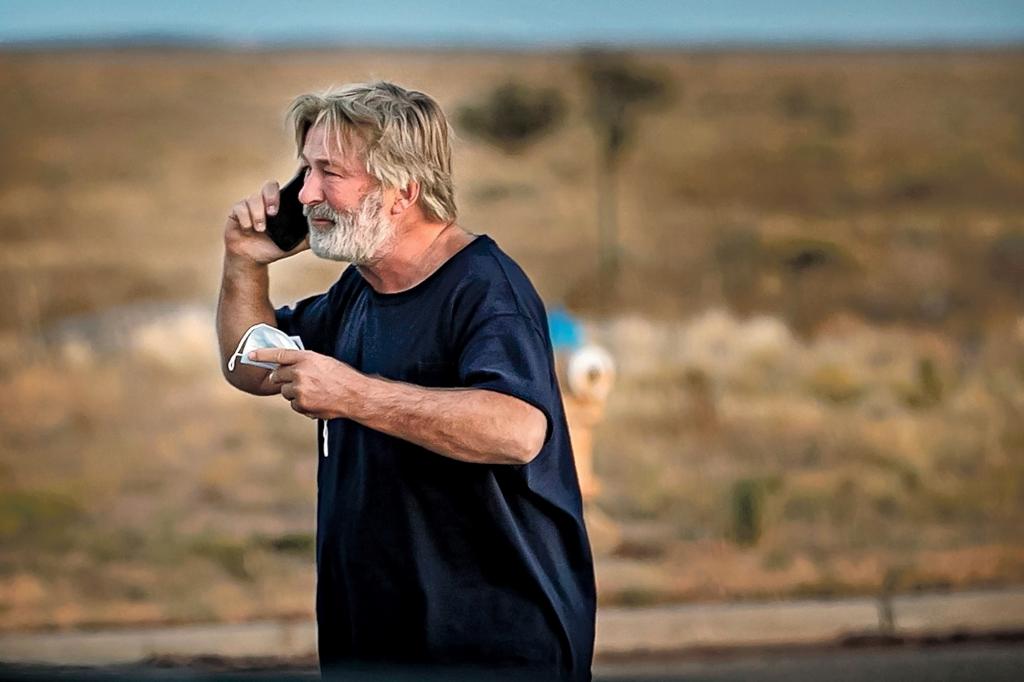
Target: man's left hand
{"points": [[316, 385]]}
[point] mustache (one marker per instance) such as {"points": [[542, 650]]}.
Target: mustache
{"points": [[321, 211]]}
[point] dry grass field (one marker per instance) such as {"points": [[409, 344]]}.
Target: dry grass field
{"points": [[819, 322]]}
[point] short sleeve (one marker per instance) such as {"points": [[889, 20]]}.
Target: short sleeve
{"points": [[506, 353], [307, 319]]}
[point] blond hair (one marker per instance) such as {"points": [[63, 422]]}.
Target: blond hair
{"points": [[402, 135]]}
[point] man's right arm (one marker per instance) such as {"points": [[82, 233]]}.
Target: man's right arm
{"points": [[244, 291], [243, 302]]}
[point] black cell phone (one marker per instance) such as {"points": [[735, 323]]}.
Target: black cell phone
{"points": [[289, 227]]}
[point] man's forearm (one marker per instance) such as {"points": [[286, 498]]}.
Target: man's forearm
{"points": [[470, 425], [244, 301]]}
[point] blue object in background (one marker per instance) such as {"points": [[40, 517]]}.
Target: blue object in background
{"points": [[566, 331]]}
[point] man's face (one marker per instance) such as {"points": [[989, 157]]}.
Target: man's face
{"points": [[343, 204]]}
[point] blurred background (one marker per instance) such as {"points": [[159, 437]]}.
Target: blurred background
{"points": [[797, 228]]}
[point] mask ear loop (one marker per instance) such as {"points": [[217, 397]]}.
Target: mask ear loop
{"points": [[324, 421], [241, 343]]}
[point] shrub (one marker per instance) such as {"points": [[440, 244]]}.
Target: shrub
{"points": [[747, 501], [799, 103], [228, 554], [45, 518]]}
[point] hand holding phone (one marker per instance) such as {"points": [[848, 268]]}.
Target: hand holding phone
{"points": [[288, 227], [250, 223]]}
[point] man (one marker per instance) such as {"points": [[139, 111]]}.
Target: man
{"points": [[450, 529]]}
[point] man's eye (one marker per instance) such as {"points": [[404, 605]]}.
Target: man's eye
{"points": [[332, 174]]}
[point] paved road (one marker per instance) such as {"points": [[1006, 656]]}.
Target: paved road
{"points": [[620, 632], [967, 663]]}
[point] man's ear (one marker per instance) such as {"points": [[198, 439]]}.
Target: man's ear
{"points": [[406, 197]]}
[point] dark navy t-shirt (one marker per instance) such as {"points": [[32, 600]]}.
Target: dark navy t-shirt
{"points": [[423, 559]]}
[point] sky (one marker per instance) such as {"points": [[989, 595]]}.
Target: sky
{"points": [[518, 23]]}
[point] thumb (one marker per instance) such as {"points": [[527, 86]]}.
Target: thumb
{"points": [[302, 246]]}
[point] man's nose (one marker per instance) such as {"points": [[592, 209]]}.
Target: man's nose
{"points": [[311, 192]]}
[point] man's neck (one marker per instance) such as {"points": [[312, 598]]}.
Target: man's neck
{"points": [[416, 254]]}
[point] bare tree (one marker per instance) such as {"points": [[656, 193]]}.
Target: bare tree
{"points": [[618, 92]]}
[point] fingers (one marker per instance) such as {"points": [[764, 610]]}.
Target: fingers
{"points": [[251, 213], [295, 406], [271, 197], [289, 393], [240, 214], [281, 356], [257, 212], [281, 375]]}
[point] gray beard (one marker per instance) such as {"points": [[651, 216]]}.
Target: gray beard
{"points": [[358, 236]]}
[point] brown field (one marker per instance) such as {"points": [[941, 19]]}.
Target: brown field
{"points": [[776, 430]]}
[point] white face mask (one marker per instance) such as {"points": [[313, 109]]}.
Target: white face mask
{"points": [[263, 336]]}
